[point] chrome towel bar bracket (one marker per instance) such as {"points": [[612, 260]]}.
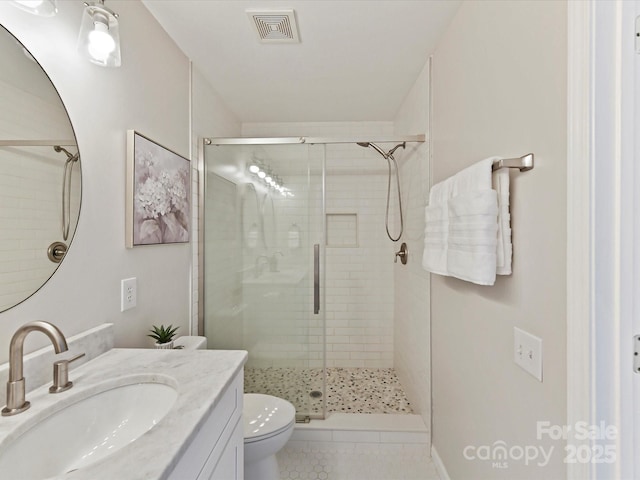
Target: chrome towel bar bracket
{"points": [[523, 163]]}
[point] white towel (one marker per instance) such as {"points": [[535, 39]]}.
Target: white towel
{"points": [[472, 241], [505, 248], [434, 258], [467, 232]]}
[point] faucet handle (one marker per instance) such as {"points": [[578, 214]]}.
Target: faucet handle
{"points": [[61, 374], [403, 253]]}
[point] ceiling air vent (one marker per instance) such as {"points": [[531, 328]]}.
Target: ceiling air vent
{"points": [[275, 26]]}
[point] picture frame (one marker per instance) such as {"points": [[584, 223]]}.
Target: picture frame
{"points": [[158, 194]]}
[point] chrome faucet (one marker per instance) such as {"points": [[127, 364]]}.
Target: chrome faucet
{"points": [[16, 402], [272, 261]]}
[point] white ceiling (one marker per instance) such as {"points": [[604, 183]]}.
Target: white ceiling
{"points": [[356, 61]]}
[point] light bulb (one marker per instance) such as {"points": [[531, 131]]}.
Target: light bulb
{"points": [[99, 39], [268, 179], [254, 169], [101, 43], [261, 174]]}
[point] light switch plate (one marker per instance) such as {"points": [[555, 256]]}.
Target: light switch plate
{"points": [[527, 351], [128, 293]]}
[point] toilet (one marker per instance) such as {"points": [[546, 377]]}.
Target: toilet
{"points": [[268, 425]]}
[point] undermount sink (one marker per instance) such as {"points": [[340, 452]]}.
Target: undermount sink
{"points": [[85, 431]]}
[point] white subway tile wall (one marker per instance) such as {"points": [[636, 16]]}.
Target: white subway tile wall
{"points": [[342, 230], [359, 280]]}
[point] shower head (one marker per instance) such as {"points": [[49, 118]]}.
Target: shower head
{"points": [[375, 147], [379, 150], [70, 156]]}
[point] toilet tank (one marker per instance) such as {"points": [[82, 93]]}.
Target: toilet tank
{"points": [[191, 343]]}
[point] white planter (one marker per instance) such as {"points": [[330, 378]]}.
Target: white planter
{"points": [[164, 346]]}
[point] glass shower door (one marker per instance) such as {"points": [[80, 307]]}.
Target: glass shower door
{"points": [[263, 216]]}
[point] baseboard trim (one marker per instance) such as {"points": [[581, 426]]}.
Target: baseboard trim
{"points": [[437, 462]]}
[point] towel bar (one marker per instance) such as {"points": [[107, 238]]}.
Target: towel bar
{"points": [[523, 163]]}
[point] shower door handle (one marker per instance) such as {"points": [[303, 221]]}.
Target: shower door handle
{"points": [[316, 279]]}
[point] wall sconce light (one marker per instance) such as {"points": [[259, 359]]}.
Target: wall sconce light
{"points": [[42, 8], [99, 38]]}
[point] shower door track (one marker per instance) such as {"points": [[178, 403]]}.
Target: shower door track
{"points": [[309, 140]]}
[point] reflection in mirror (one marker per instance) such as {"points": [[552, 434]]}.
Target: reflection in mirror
{"points": [[251, 222], [40, 179], [268, 221]]}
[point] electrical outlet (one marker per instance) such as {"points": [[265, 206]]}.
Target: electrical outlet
{"points": [[128, 293], [527, 351]]}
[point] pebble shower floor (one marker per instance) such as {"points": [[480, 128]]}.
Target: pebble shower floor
{"points": [[349, 390]]}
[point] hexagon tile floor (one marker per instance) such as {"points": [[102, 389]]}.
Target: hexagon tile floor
{"points": [[349, 390], [347, 461]]}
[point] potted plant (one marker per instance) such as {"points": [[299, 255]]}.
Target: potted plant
{"points": [[163, 336]]}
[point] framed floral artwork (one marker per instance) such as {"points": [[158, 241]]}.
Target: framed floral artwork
{"points": [[157, 193]]}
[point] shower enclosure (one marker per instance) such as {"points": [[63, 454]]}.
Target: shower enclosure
{"points": [[264, 234]]}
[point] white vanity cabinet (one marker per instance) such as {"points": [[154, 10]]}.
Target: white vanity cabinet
{"points": [[217, 451]]}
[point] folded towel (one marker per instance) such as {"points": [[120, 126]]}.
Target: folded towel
{"points": [[462, 232], [504, 248], [472, 241], [434, 257], [474, 178]]}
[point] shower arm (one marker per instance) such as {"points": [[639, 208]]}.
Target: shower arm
{"points": [[379, 150]]}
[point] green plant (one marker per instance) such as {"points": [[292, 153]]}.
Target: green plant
{"points": [[163, 334]]}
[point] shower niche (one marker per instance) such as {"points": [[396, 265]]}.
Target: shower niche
{"points": [[342, 229]]}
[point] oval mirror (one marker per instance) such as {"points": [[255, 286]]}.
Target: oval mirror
{"points": [[40, 178]]}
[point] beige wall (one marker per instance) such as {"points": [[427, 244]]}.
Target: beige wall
{"points": [[210, 117], [499, 78], [150, 94], [412, 329]]}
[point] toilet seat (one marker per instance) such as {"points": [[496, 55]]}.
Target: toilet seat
{"points": [[266, 416]]}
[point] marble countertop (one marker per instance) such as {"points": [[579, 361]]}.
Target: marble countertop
{"points": [[199, 376]]}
